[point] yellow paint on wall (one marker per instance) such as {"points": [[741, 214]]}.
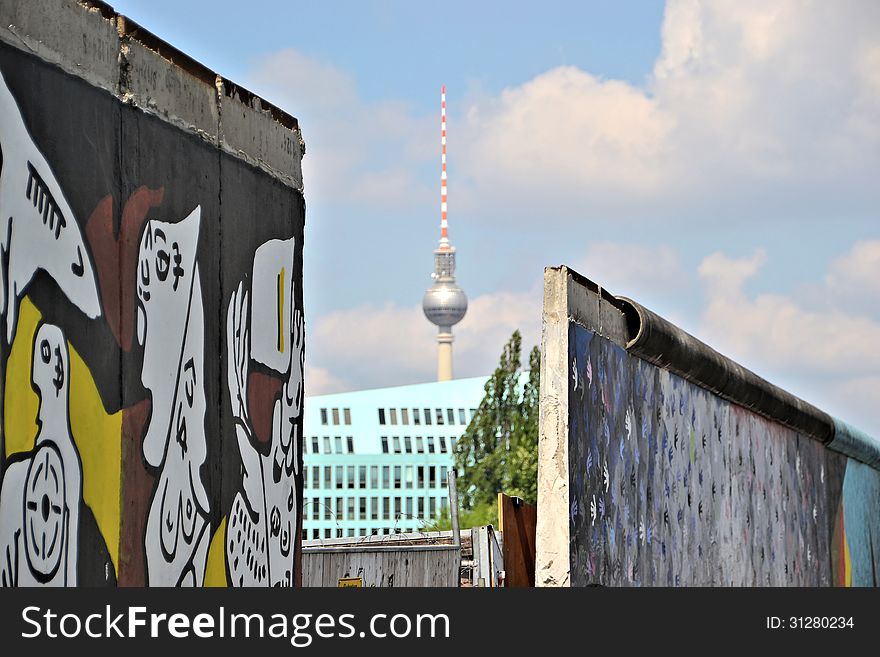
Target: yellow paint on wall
{"points": [[20, 402], [847, 564], [98, 438], [281, 313], [215, 569], [98, 435]]}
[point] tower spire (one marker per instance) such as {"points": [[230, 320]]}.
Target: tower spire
{"points": [[444, 224], [444, 303]]}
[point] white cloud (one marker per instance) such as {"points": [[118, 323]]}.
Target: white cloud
{"points": [[305, 83], [754, 111], [375, 346], [751, 105], [855, 276], [827, 355], [635, 270], [491, 320], [320, 381], [724, 276], [856, 400], [566, 132], [357, 152]]}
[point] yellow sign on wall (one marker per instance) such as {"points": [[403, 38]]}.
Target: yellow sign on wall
{"points": [[345, 582]]}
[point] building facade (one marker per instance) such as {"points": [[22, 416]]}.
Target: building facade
{"points": [[376, 461]]}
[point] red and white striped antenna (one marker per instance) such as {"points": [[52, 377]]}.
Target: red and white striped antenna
{"points": [[444, 225]]}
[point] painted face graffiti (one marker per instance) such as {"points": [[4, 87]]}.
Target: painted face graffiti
{"points": [[37, 226], [170, 326], [42, 490], [263, 521]]}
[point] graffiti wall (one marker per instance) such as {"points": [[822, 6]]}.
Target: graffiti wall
{"points": [[675, 487], [152, 347], [668, 484]]}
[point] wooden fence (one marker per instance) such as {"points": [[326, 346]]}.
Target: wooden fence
{"points": [[387, 561]]}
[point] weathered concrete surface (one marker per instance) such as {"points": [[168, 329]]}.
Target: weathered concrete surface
{"points": [[90, 40], [568, 297], [162, 81], [648, 478], [254, 130], [79, 37], [552, 532]]}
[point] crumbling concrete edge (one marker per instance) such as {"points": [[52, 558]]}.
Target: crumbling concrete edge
{"points": [[113, 53], [568, 297], [553, 532]]}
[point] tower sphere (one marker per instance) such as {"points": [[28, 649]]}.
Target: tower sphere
{"points": [[444, 303]]}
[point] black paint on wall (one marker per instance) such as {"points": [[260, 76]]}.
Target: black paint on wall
{"points": [[122, 166]]}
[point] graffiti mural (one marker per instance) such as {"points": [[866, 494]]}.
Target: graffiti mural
{"points": [[263, 521], [42, 490], [39, 230], [673, 486], [170, 327], [152, 348]]}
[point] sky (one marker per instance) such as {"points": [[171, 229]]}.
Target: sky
{"points": [[716, 161]]}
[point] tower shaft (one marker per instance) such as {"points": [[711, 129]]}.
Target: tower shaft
{"points": [[444, 355]]}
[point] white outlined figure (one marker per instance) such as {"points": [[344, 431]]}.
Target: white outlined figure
{"points": [[42, 491], [262, 524], [37, 227], [170, 326]]}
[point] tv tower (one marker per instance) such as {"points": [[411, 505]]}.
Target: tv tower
{"points": [[444, 302]]}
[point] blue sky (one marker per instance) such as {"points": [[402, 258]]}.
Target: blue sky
{"points": [[717, 161]]}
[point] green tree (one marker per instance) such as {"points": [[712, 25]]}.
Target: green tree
{"points": [[482, 514], [498, 452]]}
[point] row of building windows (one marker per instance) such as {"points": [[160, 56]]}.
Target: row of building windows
{"points": [[396, 446], [334, 445], [374, 508], [333, 413], [405, 415], [350, 476], [339, 532]]}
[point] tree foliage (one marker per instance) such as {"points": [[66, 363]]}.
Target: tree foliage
{"points": [[498, 452], [480, 515]]}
